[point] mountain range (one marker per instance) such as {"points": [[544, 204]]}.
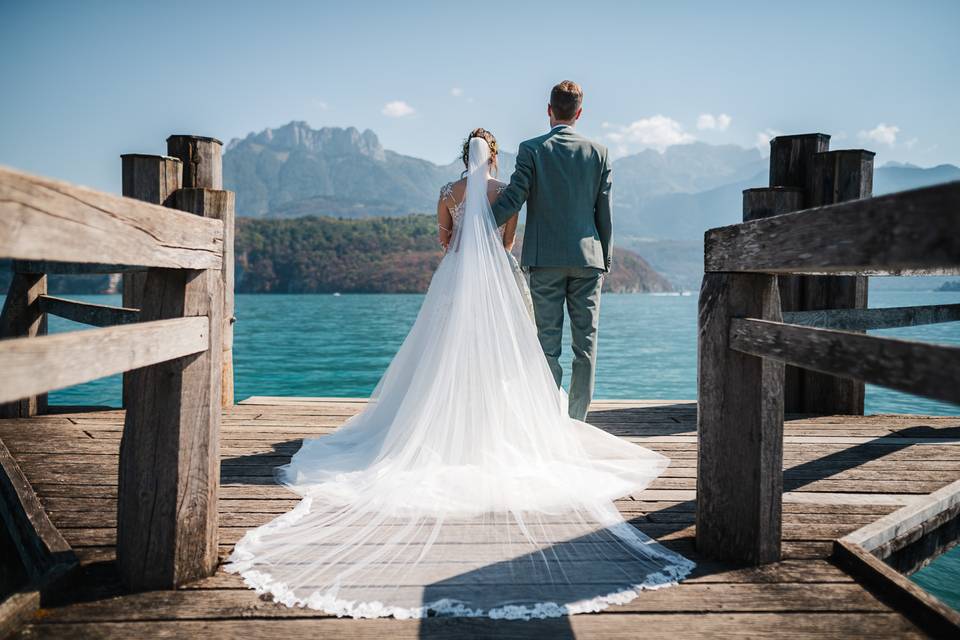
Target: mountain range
{"points": [[293, 170]]}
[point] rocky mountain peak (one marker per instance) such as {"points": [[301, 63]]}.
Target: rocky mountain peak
{"points": [[327, 141]]}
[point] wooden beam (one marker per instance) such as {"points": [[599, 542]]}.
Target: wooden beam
{"points": [[44, 219], [170, 449], [739, 426], [924, 609], [38, 365], [38, 544], [928, 370], [869, 319], [773, 201], [835, 176], [910, 231], [98, 315], [22, 317], [70, 268], [153, 179], [213, 203]]}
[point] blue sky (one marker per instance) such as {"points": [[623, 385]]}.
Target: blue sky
{"points": [[84, 81]]}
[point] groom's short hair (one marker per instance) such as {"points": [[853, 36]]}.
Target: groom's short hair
{"points": [[565, 100]]}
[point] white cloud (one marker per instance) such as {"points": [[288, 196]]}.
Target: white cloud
{"points": [[762, 140], [911, 143], [319, 104], [708, 121], [657, 132], [881, 134], [397, 109], [456, 92]]}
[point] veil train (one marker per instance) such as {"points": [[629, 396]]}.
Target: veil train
{"points": [[463, 488]]}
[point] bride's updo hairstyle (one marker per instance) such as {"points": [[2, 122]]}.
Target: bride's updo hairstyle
{"points": [[479, 132]]}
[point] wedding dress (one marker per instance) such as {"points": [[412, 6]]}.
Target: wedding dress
{"points": [[462, 488]]}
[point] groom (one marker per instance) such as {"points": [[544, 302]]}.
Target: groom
{"points": [[565, 181]]}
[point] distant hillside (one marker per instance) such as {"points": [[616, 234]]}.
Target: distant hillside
{"points": [[277, 171], [379, 255]]}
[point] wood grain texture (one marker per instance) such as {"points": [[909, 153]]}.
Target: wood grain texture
{"points": [[804, 592], [37, 365], [169, 467], [44, 219], [212, 203], [773, 201], [97, 315], [906, 232], [924, 609], [791, 159], [880, 318], [22, 317], [202, 160], [739, 426], [932, 371], [152, 179], [836, 176]]}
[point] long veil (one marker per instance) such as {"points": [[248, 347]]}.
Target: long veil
{"points": [[463, 488]]}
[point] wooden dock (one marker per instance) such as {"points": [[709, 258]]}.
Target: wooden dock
{"points": [[840, 473], [118, 519]]}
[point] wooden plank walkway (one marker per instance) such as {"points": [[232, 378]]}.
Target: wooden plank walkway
{"points": [[841, 472]]}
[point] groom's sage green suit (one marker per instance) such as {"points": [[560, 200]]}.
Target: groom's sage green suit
{"points": [[565, 180]]}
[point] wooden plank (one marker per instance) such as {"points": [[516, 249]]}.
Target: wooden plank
{"points": [[608, 626], [870, 319], [739, 426], [22, 317], [906, 232], [169, 455], [928, 370], [907, 519], [44, 219], [923, 608], [98, 315], [70, 268], [36, 365], [38, 543]]}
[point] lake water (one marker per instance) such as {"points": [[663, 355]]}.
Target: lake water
{"points": [[324, 345]]}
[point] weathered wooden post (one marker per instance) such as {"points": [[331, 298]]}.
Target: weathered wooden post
{"points": [[804, 174], [739, 425], [23, 318], [203, 194], [152, 179], [170, 452], [837, 176]]}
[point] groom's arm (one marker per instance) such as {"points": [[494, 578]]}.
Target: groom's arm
{"points": [[515, 194], [603, 214]]}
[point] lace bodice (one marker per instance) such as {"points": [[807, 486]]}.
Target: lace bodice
{"points": [[456, 211]]}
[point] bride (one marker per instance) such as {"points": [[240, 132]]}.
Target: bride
{"points": [[463, 488]]}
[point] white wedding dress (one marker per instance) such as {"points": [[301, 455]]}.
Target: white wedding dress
{"points": [[463, 488]]}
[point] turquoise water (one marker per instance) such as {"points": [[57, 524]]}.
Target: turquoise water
{"points": [[324, 345]]}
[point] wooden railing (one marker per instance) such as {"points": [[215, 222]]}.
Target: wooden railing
{"points": [[746, 337], [169, 343]]}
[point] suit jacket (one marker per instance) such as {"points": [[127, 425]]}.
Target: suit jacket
{"points": [[565, 180]]}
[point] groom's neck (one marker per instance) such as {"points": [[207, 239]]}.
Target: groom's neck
{"points": [[569, 123]]}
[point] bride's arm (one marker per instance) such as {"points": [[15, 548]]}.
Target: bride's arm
{"points": [[510, 232], [444, 223]]}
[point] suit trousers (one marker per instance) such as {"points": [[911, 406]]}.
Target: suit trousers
{"points": [[579, 288]]}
